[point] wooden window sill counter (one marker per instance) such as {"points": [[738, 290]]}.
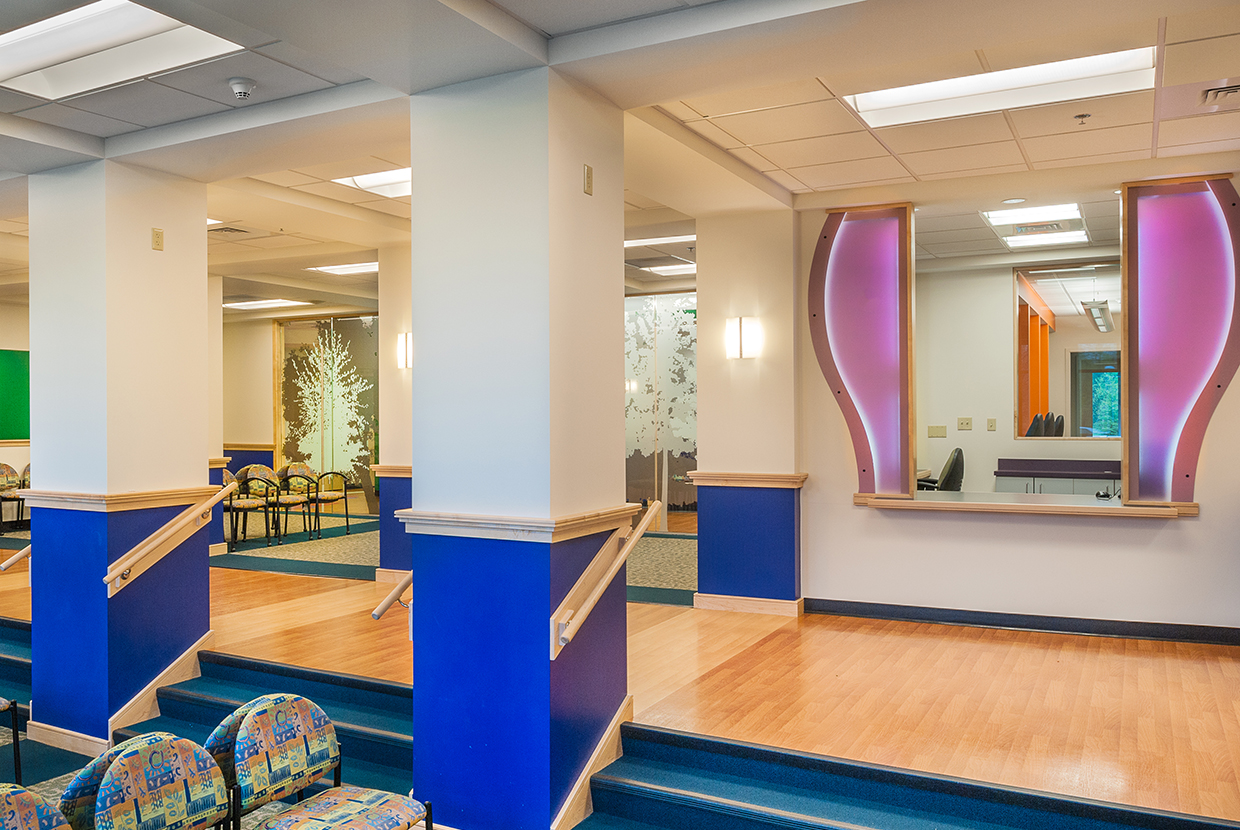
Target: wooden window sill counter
{"points": [[1035, 503]]}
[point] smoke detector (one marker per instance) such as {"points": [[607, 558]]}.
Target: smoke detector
{"points": [[242, 87]]}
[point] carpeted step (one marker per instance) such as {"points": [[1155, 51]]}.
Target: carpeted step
{"points": [[676, 779], [15, 671]]}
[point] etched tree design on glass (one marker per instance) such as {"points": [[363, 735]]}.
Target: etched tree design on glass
{"points": [[332, 431]]}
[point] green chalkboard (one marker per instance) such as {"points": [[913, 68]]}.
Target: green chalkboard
{"points": [[14, 395]]}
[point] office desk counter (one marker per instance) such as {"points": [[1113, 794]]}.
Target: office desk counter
{"points": [[1060, 476]]}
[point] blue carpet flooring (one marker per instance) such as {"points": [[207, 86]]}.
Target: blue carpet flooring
{"points": [[668, 779], [660, 596], [12, 543], [300, 567], [258, 541], [40, 762], [15, 670]]}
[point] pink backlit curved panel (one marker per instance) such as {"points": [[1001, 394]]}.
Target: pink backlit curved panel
{"points": [[858, 324], [1183, 310]]}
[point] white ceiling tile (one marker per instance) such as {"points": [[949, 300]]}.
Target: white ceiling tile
{"points": [[788, 123], [1121, 32], [1098, 210], [1090, 143], [310, 62], [713, 134], [281, 241], [789, 181], [851, 172], [1224, 20], [754, 159], [1219, 126], [343, 169], [1102, 158], [391, 206], [1202, 60], [949, 132], [1111, 111], [14, 101], [286, 178], [872, 76], [1226, 146], [638, 200], [971, 247], [959, 221], [981, 171], [630, 208], [680, 111], [798, 92], [963, 158], [84, 122], [556, 17], [823, 149], [339, 192], [210, 80], [1104, 235], [146, 103], [8, 226], [225, 248], [925, 237]]}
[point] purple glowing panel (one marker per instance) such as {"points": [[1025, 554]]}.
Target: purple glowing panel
{"points": [[1183, 295], [857, 313]]}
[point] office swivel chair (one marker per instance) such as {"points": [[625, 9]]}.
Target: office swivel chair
{"points": [[1035, 427], [950, 478], [1058, 426]]}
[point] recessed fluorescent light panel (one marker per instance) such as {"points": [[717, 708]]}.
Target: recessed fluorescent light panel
{"points": [[389, 183], [1034, 239], [256, 305], [349, 270], [1021, 216], [674, 270], [1024, 86], [211, 221], [659, 240], [97, 45]]}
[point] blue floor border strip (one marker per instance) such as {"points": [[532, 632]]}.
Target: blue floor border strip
{"points": [[297, 567], [1175, 632], [660, 596]]}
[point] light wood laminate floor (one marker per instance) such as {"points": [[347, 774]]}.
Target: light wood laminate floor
{"points": [[1132, 721]]}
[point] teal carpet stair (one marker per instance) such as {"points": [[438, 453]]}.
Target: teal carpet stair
{"points": [[668, 779], [373, 718], [15, 667]]}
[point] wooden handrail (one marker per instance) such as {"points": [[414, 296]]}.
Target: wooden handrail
{"points": [[15, 558], [391, 598], [567, 621], [153, 548]]}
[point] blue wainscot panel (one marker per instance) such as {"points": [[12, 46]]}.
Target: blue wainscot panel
{"points": [[749, 542], [395, 545]]}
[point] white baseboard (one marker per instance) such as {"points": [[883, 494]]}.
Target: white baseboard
{"points": [[579, 805], [217, 548], [66, 739], [389, 575], [145, 704], [750, 605]]}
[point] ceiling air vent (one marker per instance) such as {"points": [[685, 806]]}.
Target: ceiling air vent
{"points": [[1224, 96], [1041, 227], [228, 231]]}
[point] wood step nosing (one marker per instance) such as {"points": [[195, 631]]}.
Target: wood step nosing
{"points": [[718, 804]]}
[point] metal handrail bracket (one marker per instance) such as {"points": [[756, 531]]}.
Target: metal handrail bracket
{"points": [[163, 541], [393, 597]]}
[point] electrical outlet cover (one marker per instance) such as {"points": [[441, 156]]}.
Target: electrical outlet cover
{"points": [[964, 423], [937, 431]]}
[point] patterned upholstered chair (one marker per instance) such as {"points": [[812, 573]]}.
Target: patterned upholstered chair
{"points": [[324, 494], [101, 785], [239, 503], [260, 481], [161, 781], [284, 744], [25, 486], [223, 740], [9, 482], [300, 479], [24, 810]]}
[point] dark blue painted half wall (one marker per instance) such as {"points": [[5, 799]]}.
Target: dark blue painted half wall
{"points": [[395, 545], [749, 541]]}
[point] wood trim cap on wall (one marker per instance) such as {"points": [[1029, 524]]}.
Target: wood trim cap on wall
{"points": [[787, 481], [15, 442], [518, 528], [117, 502], [218, 463], [250, 447], [392, 470]]}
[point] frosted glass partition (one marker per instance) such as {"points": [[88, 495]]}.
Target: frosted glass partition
{"points": [[1182, 240], [329, 383], [660, 370], [859, 319]]}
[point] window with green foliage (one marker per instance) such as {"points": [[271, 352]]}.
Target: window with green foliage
{"points": [[1095, 394]]}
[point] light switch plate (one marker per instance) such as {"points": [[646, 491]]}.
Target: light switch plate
{"points": [[936, 431], [964, 423], [990, 424]]}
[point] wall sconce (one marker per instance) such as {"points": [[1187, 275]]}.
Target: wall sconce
{"points": [[404, 351], [743, 337]]}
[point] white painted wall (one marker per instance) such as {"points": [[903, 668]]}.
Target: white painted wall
{"points": [[248, 382], [517, 398], [118, 330], [395, 384], [215, 366], [1181, 571], [966, 368], [747, 407]]}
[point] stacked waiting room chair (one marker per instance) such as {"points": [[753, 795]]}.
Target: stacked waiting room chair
{"points": [[296, 485]]}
